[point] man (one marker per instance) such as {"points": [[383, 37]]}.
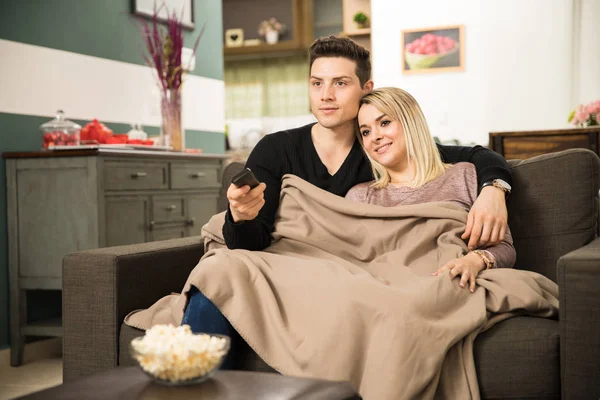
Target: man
{"points": [[327, 155]]}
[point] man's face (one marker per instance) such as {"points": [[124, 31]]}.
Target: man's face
{"points": [[335, 91]]}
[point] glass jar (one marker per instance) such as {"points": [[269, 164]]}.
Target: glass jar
{"points": [[60, 132]]}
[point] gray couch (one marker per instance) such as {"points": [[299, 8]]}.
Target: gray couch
{"points": [[553, 215]]}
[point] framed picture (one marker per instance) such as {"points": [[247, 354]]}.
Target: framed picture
{"points": [[145, 8], [428, 50], [234, 37]]}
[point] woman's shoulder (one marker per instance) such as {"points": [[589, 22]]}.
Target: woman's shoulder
{"points": [[462, 170], [463, 176], [360, 192]]}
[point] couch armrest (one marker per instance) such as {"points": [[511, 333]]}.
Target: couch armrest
{"points": [[579, 292], [100, 287]]}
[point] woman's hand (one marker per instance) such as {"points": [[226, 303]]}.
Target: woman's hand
{"points": [[468, 267], [487, 220]]}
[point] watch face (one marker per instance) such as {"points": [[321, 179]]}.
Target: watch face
{"points": [[503, 184]]}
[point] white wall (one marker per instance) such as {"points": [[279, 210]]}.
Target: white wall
{"points": [[587, 85], [518, 56], [121, 92]]}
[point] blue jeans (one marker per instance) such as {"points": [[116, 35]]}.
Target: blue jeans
{"points": [[203, 316]]}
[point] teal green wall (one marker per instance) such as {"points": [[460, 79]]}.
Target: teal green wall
{"points": [[106, 29], [100, 28]]}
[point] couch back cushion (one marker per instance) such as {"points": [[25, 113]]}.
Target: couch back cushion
{"points": [[553, 208]]}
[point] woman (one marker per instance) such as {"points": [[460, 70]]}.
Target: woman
{"points": [[408, 169]]}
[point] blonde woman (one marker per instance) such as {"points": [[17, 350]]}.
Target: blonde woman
{"points": [[408, 169]]}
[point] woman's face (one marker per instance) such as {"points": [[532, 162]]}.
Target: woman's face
{"points": [[383, 138]]}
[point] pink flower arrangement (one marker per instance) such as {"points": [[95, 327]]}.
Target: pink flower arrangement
{"points": [[271, 24], [586, 114], [164, 46]]}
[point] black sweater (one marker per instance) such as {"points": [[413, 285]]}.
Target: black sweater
{"points": [[293, 152]]}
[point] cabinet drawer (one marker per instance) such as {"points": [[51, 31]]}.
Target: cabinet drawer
{"points": [[194, 176], [523, 147], [168, 209], [167, 233], [135, 176]]}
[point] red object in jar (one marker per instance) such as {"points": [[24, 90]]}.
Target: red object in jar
{"points": [[59, 139]]}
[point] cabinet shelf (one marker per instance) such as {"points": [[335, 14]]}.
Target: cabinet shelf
{"points": [[359, 32], [264, 50], [47, 327]]}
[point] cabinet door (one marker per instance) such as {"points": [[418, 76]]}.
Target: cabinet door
{"points": [[166, 233], [126, 220], [56, 213], [200, 208]]}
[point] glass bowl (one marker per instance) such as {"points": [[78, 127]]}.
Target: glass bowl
{"points": [[60, 132], [177, 366]]}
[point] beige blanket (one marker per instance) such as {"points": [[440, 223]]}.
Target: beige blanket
{"points": [[345, 292]]}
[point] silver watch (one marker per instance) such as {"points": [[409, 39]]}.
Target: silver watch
{"points": [[500, 184], [503, 185]]}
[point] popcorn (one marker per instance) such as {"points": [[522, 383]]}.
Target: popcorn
{"points": [[176, 354]]}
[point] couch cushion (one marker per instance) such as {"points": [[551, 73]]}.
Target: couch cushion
{"points": [[519, 359], [553, 208]]}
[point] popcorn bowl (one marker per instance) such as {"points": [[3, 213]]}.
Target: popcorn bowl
{"points": [[175, 356]]}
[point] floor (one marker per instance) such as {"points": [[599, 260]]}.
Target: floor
{"points": [[42, 369]]}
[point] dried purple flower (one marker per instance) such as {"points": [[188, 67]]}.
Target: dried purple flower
{"points": [[164, 47]]}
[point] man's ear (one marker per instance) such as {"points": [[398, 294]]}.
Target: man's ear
{"points": [[368, 87]]}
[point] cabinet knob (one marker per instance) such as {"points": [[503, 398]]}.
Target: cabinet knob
{"points": [[198, 174], [151, 225], [138, 174], [190, 222], [171, 207]]}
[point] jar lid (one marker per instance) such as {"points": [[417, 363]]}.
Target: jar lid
{"points": [[60, 123]]}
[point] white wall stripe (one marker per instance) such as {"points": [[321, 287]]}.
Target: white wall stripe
{"points": [[36, 80]]}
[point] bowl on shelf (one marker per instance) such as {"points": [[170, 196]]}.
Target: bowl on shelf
{"points": [[175, 356]]}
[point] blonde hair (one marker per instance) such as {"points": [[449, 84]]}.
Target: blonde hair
{"points": [[400, 106]]}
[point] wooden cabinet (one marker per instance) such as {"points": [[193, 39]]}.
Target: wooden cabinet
{"points": [[247, 15], [127, 220], [59, 203], [527, 144], [360, 35]]}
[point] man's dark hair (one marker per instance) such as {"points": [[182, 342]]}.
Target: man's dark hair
{"points": [[337, 46]]}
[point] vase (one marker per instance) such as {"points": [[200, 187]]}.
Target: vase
{"points": [[171, 132], [272, 37]]}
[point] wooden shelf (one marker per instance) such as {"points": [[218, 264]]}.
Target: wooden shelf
{"points": [[264, 50], [359, 32], [351, 30], [296, 14]]}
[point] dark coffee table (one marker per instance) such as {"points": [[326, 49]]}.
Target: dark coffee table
{"points": [[132, 383]]}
